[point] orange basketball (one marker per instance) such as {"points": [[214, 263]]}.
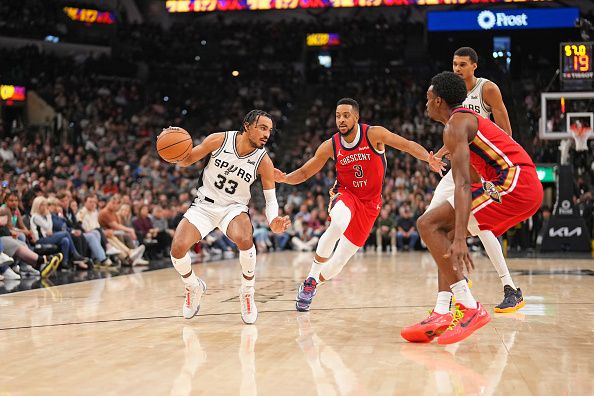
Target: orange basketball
{"points": [[174, 144]]}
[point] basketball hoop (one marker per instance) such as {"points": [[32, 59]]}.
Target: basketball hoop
{"points": [[580, 135]]}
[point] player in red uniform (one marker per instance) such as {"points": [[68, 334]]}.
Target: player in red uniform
{"points": [[507, 192], [355, 199]]}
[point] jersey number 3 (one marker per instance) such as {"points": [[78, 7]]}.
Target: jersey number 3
{"points": [[358, 171], [221, 183]]}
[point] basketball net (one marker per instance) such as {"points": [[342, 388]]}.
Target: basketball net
{"points": [[580, 135]]}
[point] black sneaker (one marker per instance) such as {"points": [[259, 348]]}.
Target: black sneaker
{"points": [[512, 300]]}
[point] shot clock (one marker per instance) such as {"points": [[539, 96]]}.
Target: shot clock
{"points": [[576, 65]]}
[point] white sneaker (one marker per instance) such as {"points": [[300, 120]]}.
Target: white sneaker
{"points": [[112, 251], [140, 261], [9, 274], [136, 253], [249, 311], [27, 270], [5, 259], [193, 296]]}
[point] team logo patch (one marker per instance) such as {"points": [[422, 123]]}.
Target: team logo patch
{"points": [[492, 191]]}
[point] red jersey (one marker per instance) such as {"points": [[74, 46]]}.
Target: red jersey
{"points": [[494, 154], [360, 169]]}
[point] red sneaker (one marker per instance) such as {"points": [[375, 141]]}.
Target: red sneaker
{"points": [[466, 321], [428, 329]]}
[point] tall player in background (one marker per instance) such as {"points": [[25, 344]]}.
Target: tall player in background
{"points": [[236, 160], [510, 193], [484, 98], [355, 199]]}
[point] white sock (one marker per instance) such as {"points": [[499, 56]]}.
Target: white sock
{"points": [[315, 270], [463, 294], [493, 249], [444, 300], [247, 259], [184, 266]]}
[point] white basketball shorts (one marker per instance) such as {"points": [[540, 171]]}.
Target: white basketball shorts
{"points": [[206, 216]]}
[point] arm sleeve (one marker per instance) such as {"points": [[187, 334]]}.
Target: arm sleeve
{"points": [[271, 205]]}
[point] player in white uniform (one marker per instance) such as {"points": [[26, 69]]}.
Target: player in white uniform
{"points": [[484, 98], [236, 160]]}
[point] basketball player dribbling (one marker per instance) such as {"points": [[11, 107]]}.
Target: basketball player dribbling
{"points": [[355, 199], [484, 98], [510, 192], [236, 160]]}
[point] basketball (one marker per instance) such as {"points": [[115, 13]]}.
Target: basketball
{"points": [[174, 144]]}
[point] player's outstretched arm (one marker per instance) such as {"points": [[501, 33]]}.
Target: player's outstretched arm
{"points": [[310, 168], [492, 96], [455, 138], [210, 144], [277, 224], [382, 135]]}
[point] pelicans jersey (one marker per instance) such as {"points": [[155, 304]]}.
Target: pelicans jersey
{"points": [[511, 191], [360, 172], [225, 190], [474, 101]]}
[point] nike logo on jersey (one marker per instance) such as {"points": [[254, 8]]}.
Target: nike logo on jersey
{"points": [[227, 152]]}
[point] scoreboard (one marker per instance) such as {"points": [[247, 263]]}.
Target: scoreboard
{"points": [[576, 65]]}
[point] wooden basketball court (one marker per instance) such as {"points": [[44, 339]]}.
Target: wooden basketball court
{"points": [[125, 335]]}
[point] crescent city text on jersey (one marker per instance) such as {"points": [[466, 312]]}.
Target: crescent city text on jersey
{"points": [[355, 157]]}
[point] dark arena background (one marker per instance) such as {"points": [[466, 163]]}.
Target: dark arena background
{"points": [[89, 298]]}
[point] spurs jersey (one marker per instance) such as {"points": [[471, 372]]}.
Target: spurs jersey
{"points": [[474, 99], [227, 177]]}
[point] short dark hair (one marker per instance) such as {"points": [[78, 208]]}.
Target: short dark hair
{"points": [[349, 101], [254, 116], [450, 87], [469, 52]]}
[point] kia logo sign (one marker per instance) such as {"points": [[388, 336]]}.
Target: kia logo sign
{"points": [[565, 232]]}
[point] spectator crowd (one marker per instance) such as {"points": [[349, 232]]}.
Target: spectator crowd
{"points": [[89, 190]]}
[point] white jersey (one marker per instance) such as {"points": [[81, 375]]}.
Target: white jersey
{"points": [[474, 100], [227, 177]]}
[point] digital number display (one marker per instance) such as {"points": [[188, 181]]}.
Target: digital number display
{"points": [[12, 93], [258, 5], [90, 16], [576, 61], [323, 39]]}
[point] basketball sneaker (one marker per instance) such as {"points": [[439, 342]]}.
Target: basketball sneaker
{"points": [[193, 296], [305, 295], [249, 311], [50, 265], [428, 329], [512, 300], [466, 321]]}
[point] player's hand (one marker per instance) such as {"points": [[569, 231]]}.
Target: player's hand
{"points": [[436, 164], [279, 176], [458, 251], [280, 224]]}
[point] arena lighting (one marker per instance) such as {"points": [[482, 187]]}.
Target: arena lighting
{"points": [[90, 16], [174, 6]]}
